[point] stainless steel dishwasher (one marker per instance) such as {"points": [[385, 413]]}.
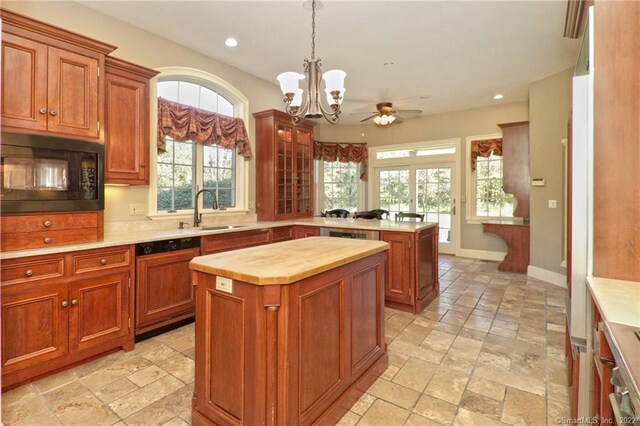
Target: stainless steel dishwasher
{"points": [[357, 234]]}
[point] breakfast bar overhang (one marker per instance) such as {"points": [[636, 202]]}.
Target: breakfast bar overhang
{"points": [[288, 333]]}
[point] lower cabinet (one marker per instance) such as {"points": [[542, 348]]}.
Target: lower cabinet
{"points": [[234, 240], [164, 293], [412, 269], [67, 316], [305, 231]]}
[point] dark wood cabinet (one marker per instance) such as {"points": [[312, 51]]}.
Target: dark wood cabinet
{"points": [[127, 122], [234, 240], [412, 269], [34, 230], [305, 231], [164, 293], [68, 313], [284, 166], [51, 79], [283, 233]]}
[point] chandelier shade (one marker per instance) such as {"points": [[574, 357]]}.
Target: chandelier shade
{"points": [[297, 105]]}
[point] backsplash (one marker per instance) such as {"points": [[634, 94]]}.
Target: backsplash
{"points": [[114, 228]]}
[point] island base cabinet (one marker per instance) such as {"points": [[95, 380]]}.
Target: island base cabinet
{"points": [[294, 354]]}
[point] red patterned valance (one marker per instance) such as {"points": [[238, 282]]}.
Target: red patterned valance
{"points": [[484, 148], [186, 123], [342, 152]]}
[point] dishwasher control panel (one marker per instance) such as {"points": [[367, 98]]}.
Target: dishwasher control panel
{"points": [[154, 247]]}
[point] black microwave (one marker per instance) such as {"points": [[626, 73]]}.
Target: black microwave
{"points": [[45, 173]]}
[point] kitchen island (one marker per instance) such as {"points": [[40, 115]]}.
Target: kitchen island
{"points": [[290, 333]]}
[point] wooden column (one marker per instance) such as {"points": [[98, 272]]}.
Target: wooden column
{"points": [[515, 164]]}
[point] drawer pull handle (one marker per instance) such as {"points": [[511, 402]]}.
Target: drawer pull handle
{"points": [[74, 302], [103, 261], [47, 223], [53, 112], [43, 110], [64, 303], [47, 240], [28, 272]]}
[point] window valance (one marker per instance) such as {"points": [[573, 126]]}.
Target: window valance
{"points": [[342, 152], [484, 148], [186, 123]]}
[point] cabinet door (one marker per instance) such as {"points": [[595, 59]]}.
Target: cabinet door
{"points": [[399, 279], [285, 173], [127, 120], [304, 172], [163, 286], [24, 83], [34, 324], [72, 93], [99, 310], [427, 264], [306, 231]]}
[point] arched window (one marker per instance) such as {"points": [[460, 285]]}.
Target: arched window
{"points": [[186, 167]]}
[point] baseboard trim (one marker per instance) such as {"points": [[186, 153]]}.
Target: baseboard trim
{"points": [[547, 276], [496, 256]]}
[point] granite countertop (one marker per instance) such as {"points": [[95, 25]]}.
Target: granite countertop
{"points": [[287, 262], [129, 237], [519, 221]]}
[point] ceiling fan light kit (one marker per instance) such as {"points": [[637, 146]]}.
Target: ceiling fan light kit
{"points": [[333, 82], [383, 120]]}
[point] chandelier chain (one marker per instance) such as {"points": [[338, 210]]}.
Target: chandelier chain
{"points": [[313, 30]]}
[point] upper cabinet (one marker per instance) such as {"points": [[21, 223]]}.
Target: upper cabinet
{"points": [[127, 122], [51, 79], [284, 167]]}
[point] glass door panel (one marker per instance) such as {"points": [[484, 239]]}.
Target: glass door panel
{"points": [[434, 199], [394, 190], [285, 169]]}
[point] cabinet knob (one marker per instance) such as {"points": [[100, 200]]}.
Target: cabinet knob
{"points": [[28, 272], [53, 112], [74, 302], [47, 223], [103, 261], [47, 240], [64, 304], [43, 110], [142, 166]]}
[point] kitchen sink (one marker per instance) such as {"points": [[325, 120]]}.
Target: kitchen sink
{"points": [[220, 227]]}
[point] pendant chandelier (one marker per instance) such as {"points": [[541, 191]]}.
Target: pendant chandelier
{"points": [[333, 82]]}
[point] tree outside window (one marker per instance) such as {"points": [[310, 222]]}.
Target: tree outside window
{"points": [[491, 200], [340, 183]]}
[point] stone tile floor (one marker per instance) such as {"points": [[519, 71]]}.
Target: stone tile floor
{"points": [[488, 351]]}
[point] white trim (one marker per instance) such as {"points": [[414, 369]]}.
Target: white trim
{"points": [[496, 256], [240, 109], [547, 276]]}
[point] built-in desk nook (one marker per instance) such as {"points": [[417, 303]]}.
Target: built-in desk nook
{"points": [[288, 333]]}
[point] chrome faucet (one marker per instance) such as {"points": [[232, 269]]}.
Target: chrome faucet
{"points": [[197, 217]]}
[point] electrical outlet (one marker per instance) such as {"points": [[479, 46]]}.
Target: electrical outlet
{"points": [[553, 204], [224, 284], [136, 209]]}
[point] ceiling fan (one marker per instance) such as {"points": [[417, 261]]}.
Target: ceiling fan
{"points": [[386, 114]]}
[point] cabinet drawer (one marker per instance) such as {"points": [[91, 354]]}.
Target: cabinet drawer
{"points": [[26, 270], [281, 234], [27, 240], [104, 259], [48, 222], [234, 240]]}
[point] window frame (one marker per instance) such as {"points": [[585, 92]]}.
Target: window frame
{"points": [[240, 109], [471, 183], [319, 187]]}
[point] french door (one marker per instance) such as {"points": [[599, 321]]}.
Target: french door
{"points": [[427, 189]]}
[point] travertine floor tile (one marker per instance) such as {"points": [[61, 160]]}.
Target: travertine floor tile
{"points": [[415, 374], [43, 418], [416, 420], [137, 400], [179, 366], [481, 404], [115, 390], [148, 375], [447, 384], [349, 419], [363, 404], [85, 410], [435, 409], [486, 388], [382, 413], [438, 341], [469, 418], [523, 408], [394, 393]]}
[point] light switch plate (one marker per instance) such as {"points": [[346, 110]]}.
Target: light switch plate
{"points": [[553, 204], [224, 284], [136, 209]]}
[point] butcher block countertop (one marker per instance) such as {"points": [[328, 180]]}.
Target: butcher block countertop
{"points": [[133, 237], [287, 262], [618, 301]]}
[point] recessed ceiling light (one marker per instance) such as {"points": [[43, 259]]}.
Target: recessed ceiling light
{"points": [[231, 42], [498, 96]]}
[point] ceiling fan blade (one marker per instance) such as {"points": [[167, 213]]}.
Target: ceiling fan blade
{"points": [[369, 118], [366, 112], [410, 111], [398, 119]]}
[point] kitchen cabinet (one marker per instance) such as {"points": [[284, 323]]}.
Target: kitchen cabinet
{"points": [[164, 293], [603, 364], [306, 231], [127, 122], [284, 166], [412, 269], [51, 79], [70, 310], [34, 230], [283, 233], [234, 240]]}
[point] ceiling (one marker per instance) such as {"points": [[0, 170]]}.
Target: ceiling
{"points": [[446, 55]]}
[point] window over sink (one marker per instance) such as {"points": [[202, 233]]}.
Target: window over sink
{"points": [[186, 166]]}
